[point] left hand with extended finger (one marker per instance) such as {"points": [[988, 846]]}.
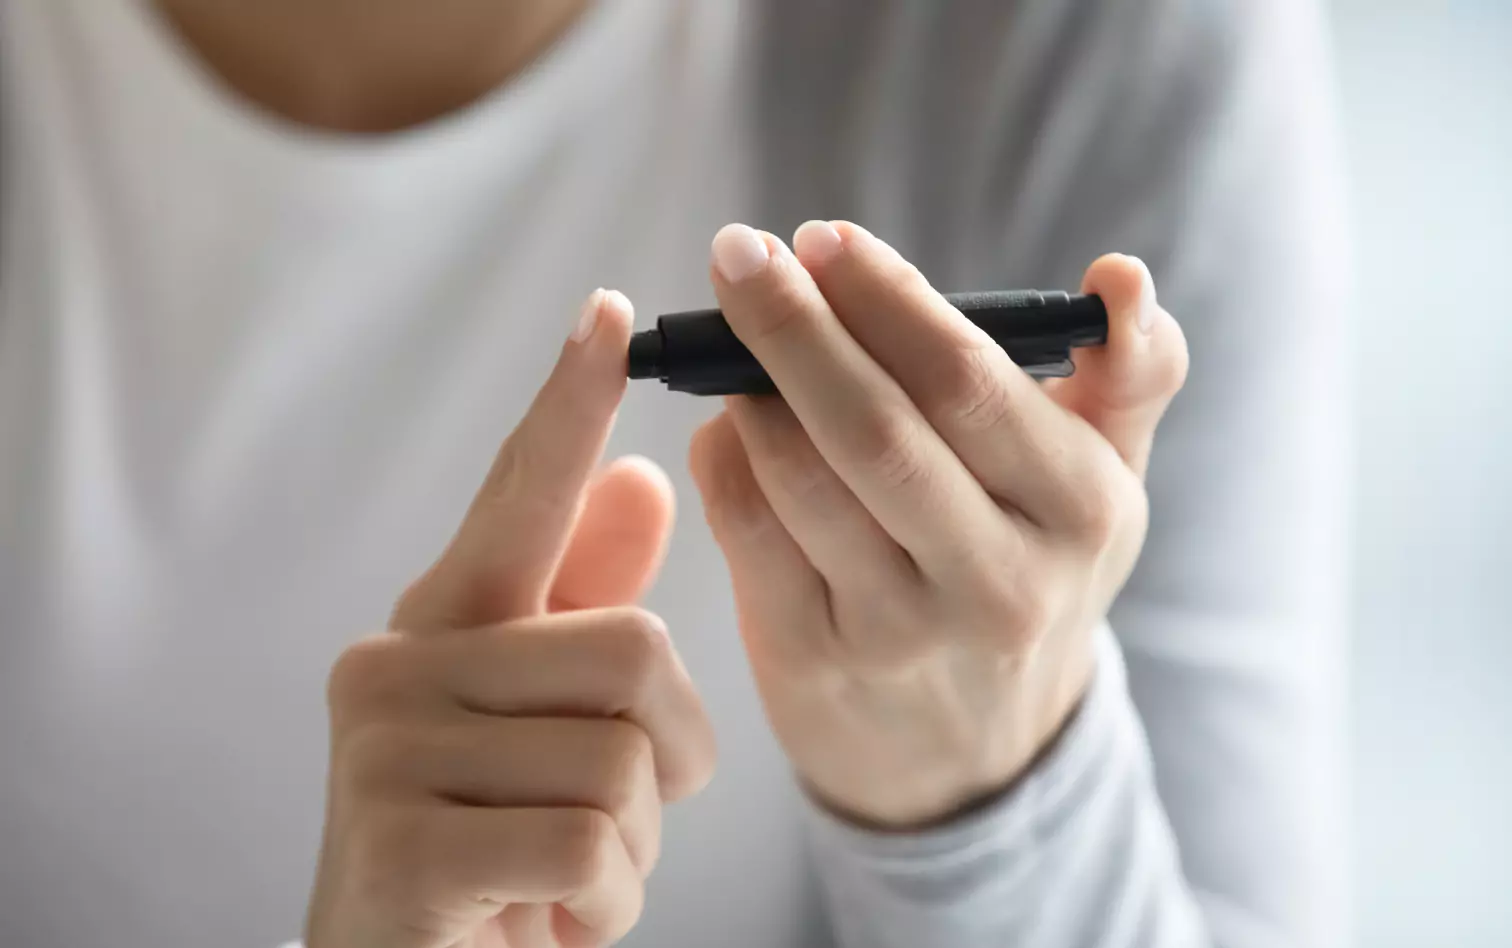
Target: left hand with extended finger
{"points": [[921, 538]]}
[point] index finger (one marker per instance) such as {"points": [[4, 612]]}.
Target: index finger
{"points": [[500, 564], [859, 418], [1005, 430]]}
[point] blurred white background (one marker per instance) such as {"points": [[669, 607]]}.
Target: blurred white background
{"points": [[1427, 97]]}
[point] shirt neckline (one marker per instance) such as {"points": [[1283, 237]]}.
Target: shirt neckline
{"points": [[591, 58]]}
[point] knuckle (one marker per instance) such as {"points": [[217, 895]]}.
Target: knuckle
{"points": [[368, 672], [416, 604], [691, 774], [783, 311], [701, 770], [1112, 500], [1134, 510], [981, 402], [1097, 514], [585, 847], [628, 766], [1019, 612], [640, 639], [909, 280], [651, 851], [1031, 616], [802, 473], [780, 318], [893, 452], [411, 600], [1028, 616]]}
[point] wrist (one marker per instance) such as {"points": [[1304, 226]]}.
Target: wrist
{"points": [[1039, 815], [1018, 733]]}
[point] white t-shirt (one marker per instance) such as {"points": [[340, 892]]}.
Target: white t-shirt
{"points": [[250, 376]]}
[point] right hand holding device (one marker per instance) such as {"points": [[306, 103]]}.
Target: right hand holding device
{"points": [[500, 757]]}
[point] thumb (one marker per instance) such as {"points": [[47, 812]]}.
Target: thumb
{"points": [[1123, 388], [620, 538]]}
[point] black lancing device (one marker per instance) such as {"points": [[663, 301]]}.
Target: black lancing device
{"points": [[697, 352]]}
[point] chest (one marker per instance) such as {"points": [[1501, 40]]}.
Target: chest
{"points": [[219, 367]]}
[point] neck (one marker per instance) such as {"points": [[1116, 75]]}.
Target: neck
{"points": [[368, 65]]}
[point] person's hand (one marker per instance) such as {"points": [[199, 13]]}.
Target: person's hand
{"points": [[500, 758], [921, 538]]}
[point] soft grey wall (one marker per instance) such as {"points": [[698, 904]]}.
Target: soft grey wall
{"points": [[1427, 96]]}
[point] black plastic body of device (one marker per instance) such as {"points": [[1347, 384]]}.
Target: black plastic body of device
{"points": [[698, 353]]}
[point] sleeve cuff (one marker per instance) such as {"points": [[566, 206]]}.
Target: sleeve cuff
{"points": [[1037, 798], [996, 859]]}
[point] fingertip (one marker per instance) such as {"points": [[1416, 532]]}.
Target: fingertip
{"points": [[643, 466], [739, 252], [603, 324], [591, 372], [588, 317], [646, 471], [777, 248], [1145, 359], [850, 230], [1123, 281], [816, 243], [616, 319]]}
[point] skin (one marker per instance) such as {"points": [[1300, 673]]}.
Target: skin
{"points": [[500, 757], [920, 539], [368, 66]]}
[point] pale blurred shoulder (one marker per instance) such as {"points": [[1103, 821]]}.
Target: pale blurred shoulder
{"points": [[943, 118]]}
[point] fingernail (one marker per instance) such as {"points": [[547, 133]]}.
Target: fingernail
{"points": [[615, 300], [589, 316], [739, 252], [817, 243]]}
